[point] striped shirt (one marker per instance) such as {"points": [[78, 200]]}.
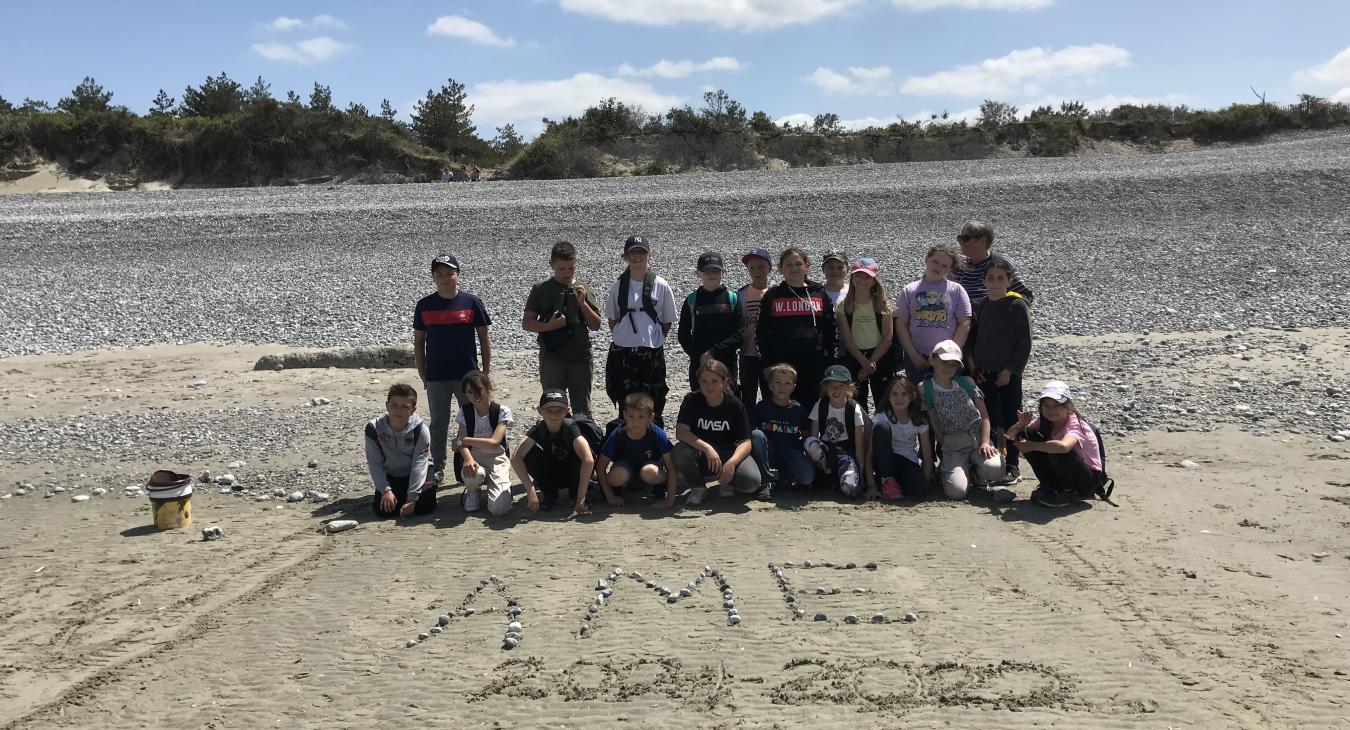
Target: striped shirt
{"points": [[971, 278]]}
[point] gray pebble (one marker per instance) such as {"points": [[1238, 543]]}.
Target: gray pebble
{"points": [[911, 617], [878, 618], [822, 617], [851, 619], [444, 619], [436, 630], [510, 643], [423, 636]]}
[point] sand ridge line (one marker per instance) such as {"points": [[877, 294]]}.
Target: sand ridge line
{"points": [[208, 619]]}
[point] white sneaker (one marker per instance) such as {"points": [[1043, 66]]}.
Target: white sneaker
{"points": [[695, 497], [472, 501]]}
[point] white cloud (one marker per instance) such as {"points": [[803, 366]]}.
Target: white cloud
{"points": [[307, 52], [283, 24], [727, 14], [681, 69], [458, 26], [325, 20], [973, 4], [524, 102], [1327, 77], [860, 81], [1017, 72]]}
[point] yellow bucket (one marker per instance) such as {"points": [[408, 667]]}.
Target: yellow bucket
{"points": [[172, 513]]}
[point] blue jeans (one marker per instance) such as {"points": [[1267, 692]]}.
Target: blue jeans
{"points": [[790, 464], [888, 464]]}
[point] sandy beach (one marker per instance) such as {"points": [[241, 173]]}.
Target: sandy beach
{"points": [[1212, 596]]}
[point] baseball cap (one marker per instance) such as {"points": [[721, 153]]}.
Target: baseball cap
{"points": [[445, 259], [762, 253], [552, 397], [837, 373], [835, 254], [636, 242], [947, 350], [710, 260], [1056, 390], [866, 266]]}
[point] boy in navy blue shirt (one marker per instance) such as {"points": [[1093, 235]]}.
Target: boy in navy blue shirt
{"points": [[639, 452], [449, 325], [780, 425]]}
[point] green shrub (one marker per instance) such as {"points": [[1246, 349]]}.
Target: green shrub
{"points": [[555, 157]]}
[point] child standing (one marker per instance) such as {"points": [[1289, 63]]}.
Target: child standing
{"points": [[796, 325], [835, 269], [398, 451], [636, 452], [640, 309], [482, 443], [976, 238], [777, 441], [554, 456], [710, 322], [758, 264], [563, 312], [836, 442], [1000, 345], [713, 432], [931, 310], [961, 425], [866, 331], [449, 326], [902, 452], [1061, 448]]}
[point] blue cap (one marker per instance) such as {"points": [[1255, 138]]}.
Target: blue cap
{"points": [[762, 253]]}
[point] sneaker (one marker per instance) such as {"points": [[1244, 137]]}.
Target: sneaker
{"points": [[724, 491], [472, 500], [1002, 494], [695, 496], [437, 477], [890, 489], [1052, 498], [1012, 478], [765, 491]]}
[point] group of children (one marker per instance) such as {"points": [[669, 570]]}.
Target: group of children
{"points": [[780, 378]]}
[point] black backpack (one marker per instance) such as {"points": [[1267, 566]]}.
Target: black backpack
{"points": [[648, 300], [589, 431], [470, 420], [1107, 485], [850, 417]]}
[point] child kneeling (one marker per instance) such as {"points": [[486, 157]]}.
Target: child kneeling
{"points": [[554, 456], [960, 423], [836, 442], [637, 452], [713, 431], [781, 424], [1061, 448], [398, 452], [482, 443]]}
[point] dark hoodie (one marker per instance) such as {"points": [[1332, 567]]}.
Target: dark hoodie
{"points": [[796, 326], [713, 325]]}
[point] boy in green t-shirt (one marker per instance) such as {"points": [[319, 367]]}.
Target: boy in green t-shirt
{"points": [[563, 312]]}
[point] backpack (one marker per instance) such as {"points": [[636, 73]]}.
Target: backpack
{"points": [[964, 381], [589, 431], [648, 301], [850, 417], [693, 311], [553, 340], [1108, 484], [494, 417]]}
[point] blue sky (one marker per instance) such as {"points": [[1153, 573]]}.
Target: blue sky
{"points": [[866, 60]]}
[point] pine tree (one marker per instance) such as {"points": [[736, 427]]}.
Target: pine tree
{"points": [[387, 110], [162, 106], [258, 92], [441, 121], [5, 106], [216, 97], [293, 99], [358, 110], [87, 98], [321, 99], [507, 142]]}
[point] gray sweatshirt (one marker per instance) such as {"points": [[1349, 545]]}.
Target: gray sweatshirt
{"points": [[398, 453]]}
